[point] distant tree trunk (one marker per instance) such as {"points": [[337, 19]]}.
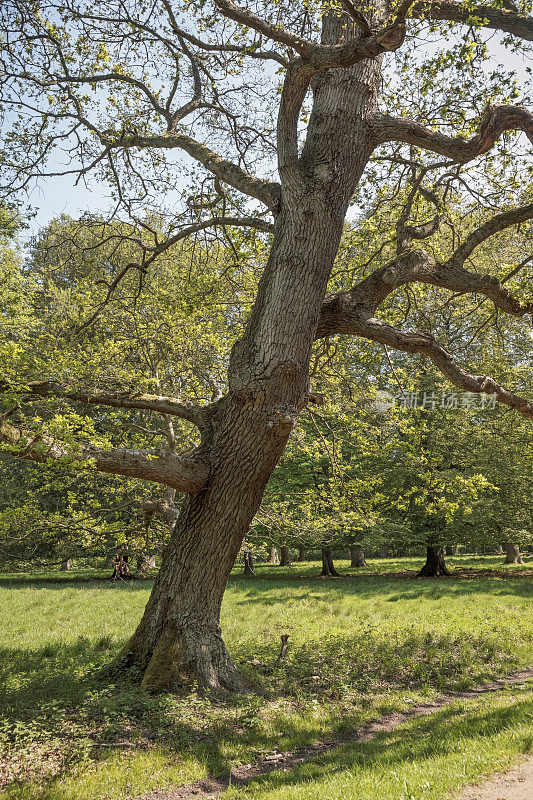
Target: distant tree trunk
{"points": [[434, 565], [451, 550], [301, 554], [66, 565], [512, 554], [273, 556], [357, 557], [285, 556], [121, 570], [499, 550], [248, 564], [383, 551], [328, 567], [145, 563]]}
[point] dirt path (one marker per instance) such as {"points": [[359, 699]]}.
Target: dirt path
{"points": [[241, 776], [514, 785]]}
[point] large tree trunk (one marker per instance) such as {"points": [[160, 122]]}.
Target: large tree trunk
{"points": [[435, 564], [328, 567], [357, 557], [285, 560], [512, 554], [301, 554], [273, 556], [178, 639]]}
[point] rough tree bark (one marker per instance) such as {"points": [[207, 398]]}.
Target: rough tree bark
{"points": [[357, 557], [435, 565], [328, 567], [512, 554], [301, 554], [179, 635], [285, 553]]}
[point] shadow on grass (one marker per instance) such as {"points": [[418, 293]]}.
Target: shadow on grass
{"points": [[263, 589], [59, 693], [67, 580], [444, 733]]}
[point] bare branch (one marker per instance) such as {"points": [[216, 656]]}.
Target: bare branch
{"points": [[496, 18], [358, 17], [498, 223], [268, 192], [494, 122], [221, 48], [186, 473], [274, 32], [246, 222]]}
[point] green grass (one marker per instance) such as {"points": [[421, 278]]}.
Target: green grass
{"points": [[424, 759], [360, 646]]}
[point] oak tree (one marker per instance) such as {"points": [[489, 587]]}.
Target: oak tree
{"points": [[264, 117]]}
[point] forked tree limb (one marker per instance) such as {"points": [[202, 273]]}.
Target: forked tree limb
{"points": [[495, 120], [268, 192], [275, 33], [185, 473], [499, 222]]}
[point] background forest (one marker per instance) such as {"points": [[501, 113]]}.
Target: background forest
{"points": [[390, 459]]}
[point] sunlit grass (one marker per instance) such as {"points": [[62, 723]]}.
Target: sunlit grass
{"points": [[424, 759], [360, 646]]}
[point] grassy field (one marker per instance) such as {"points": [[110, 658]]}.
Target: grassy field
{"points": [[360, 646]]}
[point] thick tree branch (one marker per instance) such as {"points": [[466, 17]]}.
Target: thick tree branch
{"points": [[494, 122], [497, 223], [489, 17], [268, 192], [298, 79], [354, 321], [185, 473], [219, 48], [274, 32], [148, 402], [318, 56]]}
